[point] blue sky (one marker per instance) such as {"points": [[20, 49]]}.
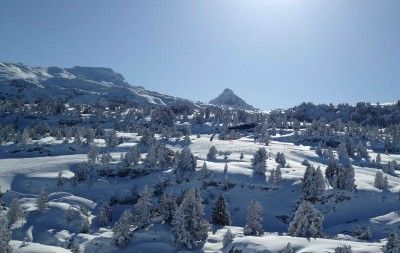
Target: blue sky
{"points": [[271, 53]]}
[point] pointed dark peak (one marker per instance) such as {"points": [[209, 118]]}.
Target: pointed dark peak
{"points": [[229, 99]]}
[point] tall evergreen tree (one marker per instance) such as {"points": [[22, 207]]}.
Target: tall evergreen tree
{"points": [[143, 209], [227, 239], [14, 212], [185, 164], [212, 153], [307, 222], [122, 229], [259, 161], [5, 235], [105, 215], [42, 201], [189, 226], [392, 244], [220, 213], [254, 219]]}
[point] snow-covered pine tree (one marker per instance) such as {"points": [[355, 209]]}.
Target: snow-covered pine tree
{"points": [[280, 159], [272, 177], [93, 154], [226, 170], [89, 134], [227, 239], [60, 179], [288, 248], [363, 233], [5, 235], [212, 153], [378, 160], [319, 180], [131, 157], [348, 178], [362, 151], [313, 184], [69, 214], [392, 244], [42, 201], [111, 138], [151, 157], [254, 219], [105, 158], [278, 175], [168, 206], [25, 137], [122, 229], [143, 209], [82, 172], [77, 138], [75, 248], [343, 154], [307, 222], [105, 215], [14, 212], [381, 181], [185, 164], [259, 161], [189, 226], [343, 249], [204, 171], [220, 213], [85, 225]]}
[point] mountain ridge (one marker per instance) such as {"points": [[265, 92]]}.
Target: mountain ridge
{"points": [[229, 99]]}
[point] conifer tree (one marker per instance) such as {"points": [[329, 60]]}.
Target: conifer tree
{"points": [[220, 213], [212, 153], [259, 161], [227, 239], [307, 222], [254, 219], [143, 209], [122, 229], [189, 226], [343, 249], [14, 212], [105, 215], [42, 201], [392, 244], [5, 235], [185, 164]]}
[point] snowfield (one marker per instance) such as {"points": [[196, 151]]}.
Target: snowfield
{"points": [[26, 177]]}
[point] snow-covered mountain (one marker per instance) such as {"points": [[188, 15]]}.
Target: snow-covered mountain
{"points": [[76, 84], [230, 99]]}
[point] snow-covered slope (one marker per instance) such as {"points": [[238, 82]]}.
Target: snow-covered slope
{"points": [[77, 84], [230, 99]]}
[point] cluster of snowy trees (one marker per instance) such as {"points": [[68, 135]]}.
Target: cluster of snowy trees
{"points": [[307, 222], [259, 161], [313, 183], [381, 181], [185, 165], [188, 224], [340, 176], [5, 234]]}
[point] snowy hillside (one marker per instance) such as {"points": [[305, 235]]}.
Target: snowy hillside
{"points": [[126, 177], [229, 99], [74, 85]]}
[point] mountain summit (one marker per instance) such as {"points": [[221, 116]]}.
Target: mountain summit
{"points": [[230, 99]]}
